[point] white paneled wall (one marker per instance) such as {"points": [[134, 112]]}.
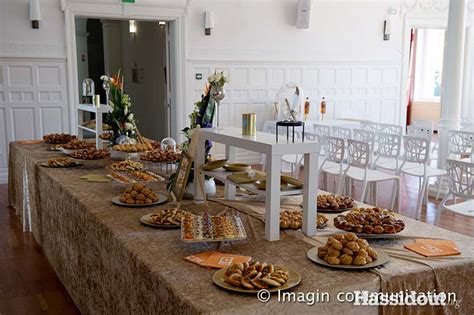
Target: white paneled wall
{"points": [[33, 102], [352, 90]]}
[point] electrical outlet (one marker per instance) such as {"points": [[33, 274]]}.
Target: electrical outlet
{"points": [[198, 76]]}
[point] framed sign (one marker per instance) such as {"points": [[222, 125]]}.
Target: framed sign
{"points": [[182, 174]]}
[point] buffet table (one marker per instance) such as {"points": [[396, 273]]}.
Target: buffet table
{"points": [[110, 263]]}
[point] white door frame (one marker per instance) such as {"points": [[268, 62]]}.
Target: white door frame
{"points": [[165, 10], [413, 21]]}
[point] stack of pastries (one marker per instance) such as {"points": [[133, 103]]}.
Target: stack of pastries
{"points": [[347, 249], [370, 221]]}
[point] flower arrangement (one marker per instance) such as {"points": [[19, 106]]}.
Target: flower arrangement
{"points": [[201, 117], [121, 118], [218, 79]]}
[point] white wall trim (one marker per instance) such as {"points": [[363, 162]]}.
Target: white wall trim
{"points": [[30, 50], [173, 11]]}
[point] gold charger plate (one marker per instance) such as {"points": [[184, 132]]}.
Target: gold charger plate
{"points": [[293, 280], [236, 167], [261, 184], [214, 165], [382, 258], [45, 164], [146, 221], [292, 181], [162, 199]]}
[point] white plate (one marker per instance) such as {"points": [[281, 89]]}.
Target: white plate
{"points": [[163, 199], [382, 258], [146, 221]]}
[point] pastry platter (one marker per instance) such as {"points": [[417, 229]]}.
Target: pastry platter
{"points": [[163, 199], [60, 163], [236, 167], [138, 195], [206, 228], [146, 220], [214, 165], [219, 278], [382, 259], [330, 203]]}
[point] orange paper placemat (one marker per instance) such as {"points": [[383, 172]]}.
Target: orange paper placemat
{"points": [[217, 260], [433, 248]]}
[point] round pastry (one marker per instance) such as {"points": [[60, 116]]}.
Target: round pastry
{"points": [[334, 202], [370, 221], [355, 251]]}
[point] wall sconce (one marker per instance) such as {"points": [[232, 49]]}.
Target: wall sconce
{"points": [[35, 13], [162, 23], [386, 30], [208, 22], [132, 26]]}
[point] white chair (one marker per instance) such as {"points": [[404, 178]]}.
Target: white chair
{"points": [[321, 131], [391, 129], [424, 129], [461, 185], [332, 164], [366, 136], [460, 143], [387, 154], [369, 125], [341, 132], [417, 151], [358, 170]]}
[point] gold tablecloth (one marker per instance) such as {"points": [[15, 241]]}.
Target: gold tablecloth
{"points": [[110, 263]]}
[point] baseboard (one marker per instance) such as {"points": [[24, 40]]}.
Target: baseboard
{"points": [[3, 176]]}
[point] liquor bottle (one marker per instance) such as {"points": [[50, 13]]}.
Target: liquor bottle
{"points": [[323, 108], [307, 104]]}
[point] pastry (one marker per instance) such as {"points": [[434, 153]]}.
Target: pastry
{"points": [[61, 162], [127, 166], [347, 249], [256, 275], [132, 148], [334, 202], [212, 228], [293, 219], [138, 194], [57, 138], [171, 216], [161, 156], [78, 145], [90, 154], [370, 221]]}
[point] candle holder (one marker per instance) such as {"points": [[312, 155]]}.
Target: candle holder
{"points": [[217, 94]]}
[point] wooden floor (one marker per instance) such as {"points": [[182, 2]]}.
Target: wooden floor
{"points": [[28, 284]]}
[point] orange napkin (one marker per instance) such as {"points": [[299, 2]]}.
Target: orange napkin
{"points": [[433, 248], [31, 141], [217, 260]]}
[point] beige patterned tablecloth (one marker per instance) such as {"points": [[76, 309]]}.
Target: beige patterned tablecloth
{"points": [[110, 263]]}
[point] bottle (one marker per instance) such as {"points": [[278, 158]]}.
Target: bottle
{"points": [[306, 109], [323, 108]]}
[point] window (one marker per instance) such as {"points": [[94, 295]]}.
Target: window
{"points": [[429, 64]]}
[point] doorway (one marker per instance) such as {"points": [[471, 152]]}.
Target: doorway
{"points": [[139, 49], [424, 75]]}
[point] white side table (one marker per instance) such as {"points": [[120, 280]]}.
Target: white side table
{"points": [[98, 121], [264, 143]]}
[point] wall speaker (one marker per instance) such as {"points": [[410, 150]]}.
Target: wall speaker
{"points": [[302, 14]]}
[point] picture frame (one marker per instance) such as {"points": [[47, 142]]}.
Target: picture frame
{"points": [[182, 175]]}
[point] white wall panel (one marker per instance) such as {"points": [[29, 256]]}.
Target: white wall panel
{"points": [[50, 120], [3, 139], [23, 123], [352, 91], [33, 101]]}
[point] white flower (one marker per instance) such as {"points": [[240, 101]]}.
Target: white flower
{"points": [[130, 117], [104, 78], [211, 78], [129, 126], [218, 77], [125, 110]]}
